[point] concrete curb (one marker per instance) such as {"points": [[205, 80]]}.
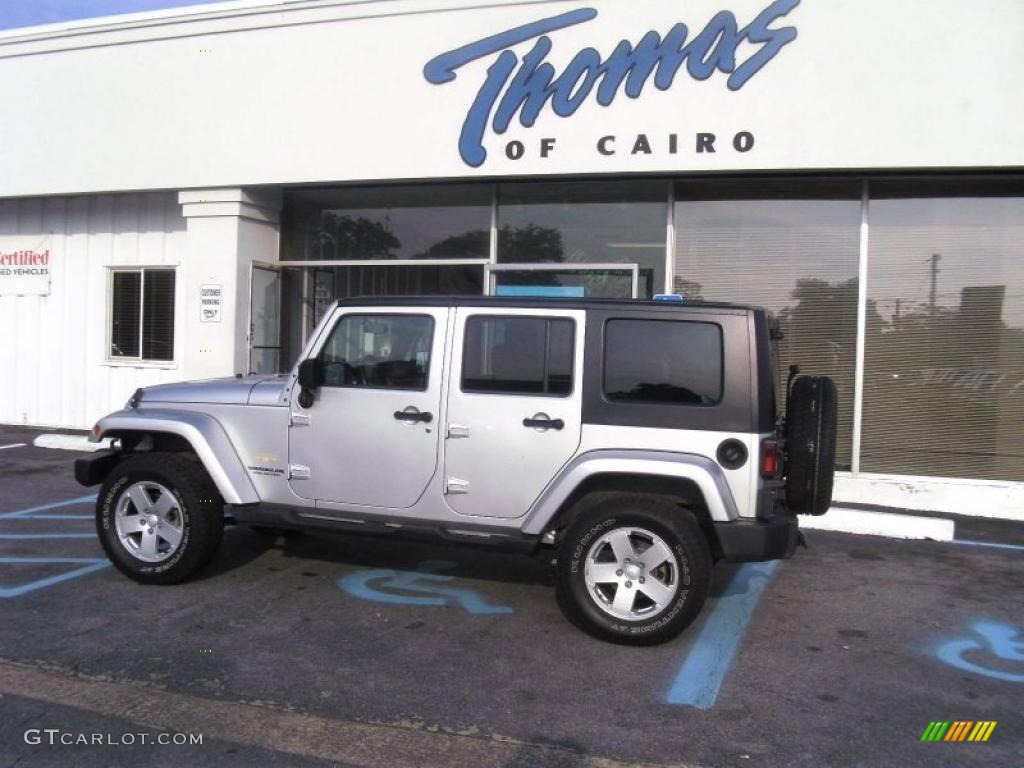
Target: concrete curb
{"points": [[70, 442], [890, 524]]}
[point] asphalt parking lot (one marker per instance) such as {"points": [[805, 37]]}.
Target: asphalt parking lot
{"points": [[328, 650]]}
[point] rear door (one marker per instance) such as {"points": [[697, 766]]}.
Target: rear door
{"points": [[513, 406], [370, 437]]}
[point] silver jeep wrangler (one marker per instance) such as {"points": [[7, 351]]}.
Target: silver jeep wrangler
{"points": [[640, 439]]}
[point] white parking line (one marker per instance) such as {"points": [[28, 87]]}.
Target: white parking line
{"points": [[13, 445]]}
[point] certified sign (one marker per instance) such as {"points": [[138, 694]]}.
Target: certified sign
{"points": [[210, 300], [24, 268]]}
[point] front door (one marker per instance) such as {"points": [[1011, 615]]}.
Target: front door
{"points": [[513, 406], [264, 317], [370, 436]]}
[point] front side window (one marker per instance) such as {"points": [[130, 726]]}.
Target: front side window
{"points": [[379, 352], [518, 355], [142, 315], [663, 361]]}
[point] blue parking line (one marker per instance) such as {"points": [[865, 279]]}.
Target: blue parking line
{"points": [[58, 517], [59, 560], [993, 545], [47, 535], [53, 505], [707, 663], [93, 565]]}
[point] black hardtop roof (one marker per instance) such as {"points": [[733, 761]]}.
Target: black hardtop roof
{"points": [[539, 302]]}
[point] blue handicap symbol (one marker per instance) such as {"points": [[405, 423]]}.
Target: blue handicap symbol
{"points": [[425, 580], [992, 638]]}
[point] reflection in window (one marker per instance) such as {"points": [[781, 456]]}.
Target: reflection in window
{"points": [[944, 364], [792, 249], [585, 222], [379, 351], [518, 355], [428, 222], [591, 283], [663, 361]]}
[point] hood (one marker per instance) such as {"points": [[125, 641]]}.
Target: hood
{"points": [[262, 388]]}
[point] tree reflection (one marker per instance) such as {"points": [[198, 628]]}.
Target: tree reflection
{"points": [[467, 245], [951, 377], [530, 244], [819, 327], [341, 236]]}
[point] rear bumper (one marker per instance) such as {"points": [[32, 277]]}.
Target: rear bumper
{"points": [[93, 470], [743, 541]]}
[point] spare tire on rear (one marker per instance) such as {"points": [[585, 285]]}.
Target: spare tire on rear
{"points": [[810, 444]]}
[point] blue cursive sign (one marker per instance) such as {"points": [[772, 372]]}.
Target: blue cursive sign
{"points": [[526, 86]]}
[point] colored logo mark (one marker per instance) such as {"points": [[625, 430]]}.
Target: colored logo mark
{"points": [[959, 730], [996, 650], [426, 585]]}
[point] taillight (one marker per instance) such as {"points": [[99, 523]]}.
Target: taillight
{"points": [[771, 459]]}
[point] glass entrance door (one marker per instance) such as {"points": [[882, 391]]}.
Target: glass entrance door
{"points": [[265, 319]]}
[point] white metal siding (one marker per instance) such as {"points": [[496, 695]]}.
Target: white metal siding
{"points": [[53, 348]]}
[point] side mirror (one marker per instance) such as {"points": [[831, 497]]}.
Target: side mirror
{"points": [[311, 373], [311, 377]]}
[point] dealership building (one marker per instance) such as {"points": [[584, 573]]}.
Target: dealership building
{"points": [[184, 192]]}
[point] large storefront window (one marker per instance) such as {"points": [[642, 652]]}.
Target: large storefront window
{"points": [[944, 365], [607, 222], [791, 247], [374, 223]]}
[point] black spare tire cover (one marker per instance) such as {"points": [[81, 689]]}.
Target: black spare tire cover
{"points": [[810, 444]]}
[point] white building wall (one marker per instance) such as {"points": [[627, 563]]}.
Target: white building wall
{"points": [[53, 348], [310, 92]]}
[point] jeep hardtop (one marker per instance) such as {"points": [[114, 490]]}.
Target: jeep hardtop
{"points": [[642, 440]]}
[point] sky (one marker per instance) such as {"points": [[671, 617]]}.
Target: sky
{"points": [[27, 13]]}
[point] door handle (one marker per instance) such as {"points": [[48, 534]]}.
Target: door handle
{"points": [[426, 416], [543, 423]]}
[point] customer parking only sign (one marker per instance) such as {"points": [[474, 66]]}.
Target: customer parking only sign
{"points": [[25, 266]]}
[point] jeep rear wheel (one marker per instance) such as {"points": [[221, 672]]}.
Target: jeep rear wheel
{"points": [[159, 517], [633, 570], [810, 444]]}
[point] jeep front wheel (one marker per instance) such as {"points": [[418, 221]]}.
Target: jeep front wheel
{"points": [[159, 517], [633, 570]]}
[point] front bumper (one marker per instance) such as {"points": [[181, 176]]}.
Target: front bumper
{"points": [[743, 541]]}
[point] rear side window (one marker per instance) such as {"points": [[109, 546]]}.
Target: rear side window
{"points": [[673, 362], [518, 355]]}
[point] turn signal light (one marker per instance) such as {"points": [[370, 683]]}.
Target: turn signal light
{"points": [[771, 458]]}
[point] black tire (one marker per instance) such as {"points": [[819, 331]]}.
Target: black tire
{"points": [[198, 502], [810, 444], [679, 531]]}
